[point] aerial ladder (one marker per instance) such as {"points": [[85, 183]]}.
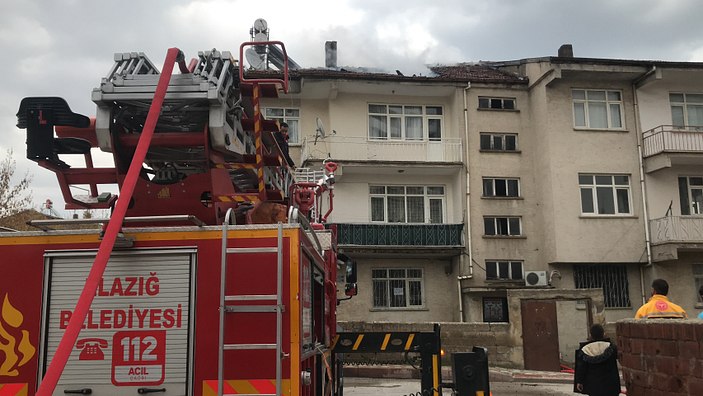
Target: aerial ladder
{"points": [[194, 137]]}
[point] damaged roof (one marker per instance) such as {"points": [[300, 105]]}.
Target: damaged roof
{"points": [[465, 72]]}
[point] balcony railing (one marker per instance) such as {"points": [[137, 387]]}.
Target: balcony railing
{"points": [[669, 138], [363, 149], [677, 229], [425, 235]]}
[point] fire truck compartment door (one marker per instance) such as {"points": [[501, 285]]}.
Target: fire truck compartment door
{"points": [[137, 335]]}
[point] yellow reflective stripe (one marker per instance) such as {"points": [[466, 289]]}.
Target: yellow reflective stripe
{"points": [[385, 341], [435, 375], [358, 342], [409, 342]]}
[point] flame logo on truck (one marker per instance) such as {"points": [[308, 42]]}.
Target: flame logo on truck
{"points": [[16, 355]]}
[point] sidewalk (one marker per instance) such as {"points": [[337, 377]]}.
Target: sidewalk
{"points": [[496, 374]]}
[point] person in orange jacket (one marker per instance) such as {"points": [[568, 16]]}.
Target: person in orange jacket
{"points": [[659, 306]]}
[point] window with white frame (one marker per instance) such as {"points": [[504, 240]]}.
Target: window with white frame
{"points": [[597, 109], [612, 278], [397, 287], [504, 270], [605, 194], [290, 116], [691, 195], [502, 226], [498, 141], [405, 122], [488, 103], [407, 204], [686, 109], [501, 187]]}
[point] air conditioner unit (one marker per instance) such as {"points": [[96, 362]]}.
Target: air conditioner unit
{"points": [[535, 278]]}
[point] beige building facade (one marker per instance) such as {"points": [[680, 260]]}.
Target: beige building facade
{"points": [[457, 188]]}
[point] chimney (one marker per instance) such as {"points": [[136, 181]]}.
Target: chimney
{"points": [[331, 54], [566, 51]]}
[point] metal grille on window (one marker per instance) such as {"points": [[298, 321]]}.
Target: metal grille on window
{"points": [[397, 287], [612, 278]]}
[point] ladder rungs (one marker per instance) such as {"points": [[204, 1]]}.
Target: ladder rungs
{"points": [[252, 308], [252, 297], [253, 250], [231, 347]]}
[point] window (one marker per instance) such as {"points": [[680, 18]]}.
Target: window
{"points": [[498, 187], [595, 109], [691, 195], [291, 116], [407, 204], [605, 194], [502, 226], [611, 277], [504, 270], [698, 280], [405, 122], [686, 109], [495, 309], [496, 103], [499, 141], [397, 287]]}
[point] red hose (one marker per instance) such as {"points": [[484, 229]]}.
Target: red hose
{"points": [[63, 352]]}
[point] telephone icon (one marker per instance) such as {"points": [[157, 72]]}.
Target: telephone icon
{"points": [[92, 348]]}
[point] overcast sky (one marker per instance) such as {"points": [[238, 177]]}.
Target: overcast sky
{"points": [[63, 47]]}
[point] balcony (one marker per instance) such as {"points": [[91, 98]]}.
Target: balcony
{"points": [[346, 148], [667, 145], [673, 233], [414, 239]]}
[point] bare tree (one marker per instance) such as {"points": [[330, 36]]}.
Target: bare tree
{"points": [[13, 197]]}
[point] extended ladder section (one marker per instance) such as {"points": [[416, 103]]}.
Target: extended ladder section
{"points": [[274, 305], [211, 150]]}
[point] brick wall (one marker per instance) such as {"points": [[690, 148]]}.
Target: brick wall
{"points": [[661, 356]]}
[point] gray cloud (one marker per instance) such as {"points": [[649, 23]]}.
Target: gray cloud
{"points": [[64, 47]]}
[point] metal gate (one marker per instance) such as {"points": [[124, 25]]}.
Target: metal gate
{"points": [[540, 335]]}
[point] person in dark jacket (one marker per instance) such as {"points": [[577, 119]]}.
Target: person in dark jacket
{"points": [[282, 140], [596, 366]]}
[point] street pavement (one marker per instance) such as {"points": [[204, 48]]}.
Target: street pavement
{"points": [[357, 386]]}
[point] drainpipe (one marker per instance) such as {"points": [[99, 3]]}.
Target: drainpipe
{"points": [[468, 206], [638, 130]]}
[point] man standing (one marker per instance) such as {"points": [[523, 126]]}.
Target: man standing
{"points": [[659, 306], [282, 140]]}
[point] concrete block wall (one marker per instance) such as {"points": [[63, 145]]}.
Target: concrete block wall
{"points": [[661, 356], [456, 337]]}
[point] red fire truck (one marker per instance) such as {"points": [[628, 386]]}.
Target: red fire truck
{"points": [[214, 274]]}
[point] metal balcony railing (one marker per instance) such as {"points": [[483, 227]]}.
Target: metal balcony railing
{"points": [[426, 235], [677, 229], [670, 138], [341, 148]]}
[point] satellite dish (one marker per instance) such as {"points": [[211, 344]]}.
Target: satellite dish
{"points": [[320, 131], [320, 127], [256, 60]]}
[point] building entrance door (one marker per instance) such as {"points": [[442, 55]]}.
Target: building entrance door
{"points": [[540, 335]]}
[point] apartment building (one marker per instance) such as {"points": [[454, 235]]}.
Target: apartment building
{"points": [[399, 192], [544, 173], [670, 102]]}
